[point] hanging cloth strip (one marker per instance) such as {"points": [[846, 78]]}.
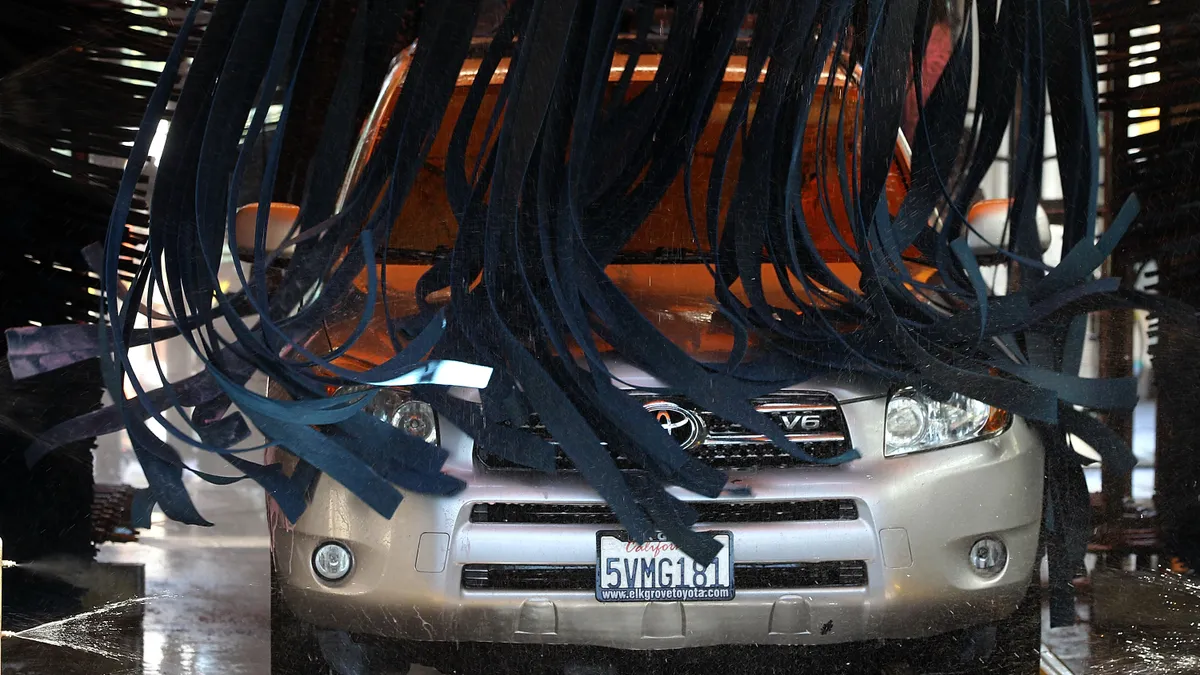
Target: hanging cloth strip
{"points": [[571, 165]]}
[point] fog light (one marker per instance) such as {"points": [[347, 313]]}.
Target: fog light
{"points": [[988, 557], [332, 562]]}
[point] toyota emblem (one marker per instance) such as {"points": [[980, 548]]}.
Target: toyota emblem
{"points": [[685, 426]]}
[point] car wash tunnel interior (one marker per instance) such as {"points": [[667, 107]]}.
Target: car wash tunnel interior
{"points": [[353, 337]]}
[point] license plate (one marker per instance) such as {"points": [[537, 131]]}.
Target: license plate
{"points": [[658, 571]]}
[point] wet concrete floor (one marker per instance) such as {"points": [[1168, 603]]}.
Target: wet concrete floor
{"points": [[209, 614]]}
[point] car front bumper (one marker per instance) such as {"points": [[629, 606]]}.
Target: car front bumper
{"points": [[917, 517]]}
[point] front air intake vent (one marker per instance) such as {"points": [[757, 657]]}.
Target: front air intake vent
{"points": [[707, 512], [746, 576]]}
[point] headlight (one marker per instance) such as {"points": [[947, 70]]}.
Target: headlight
{"points": [[916, 422], [399, 409], [417, 418]]}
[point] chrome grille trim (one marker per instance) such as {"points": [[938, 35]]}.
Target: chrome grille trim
{"points": [[791, 407], [740, 439]]}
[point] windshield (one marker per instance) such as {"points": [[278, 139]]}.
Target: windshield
{"points": [[426, 227]]}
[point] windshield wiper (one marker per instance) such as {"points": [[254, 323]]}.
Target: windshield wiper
{"points": [[413, 256], [662, 256]]}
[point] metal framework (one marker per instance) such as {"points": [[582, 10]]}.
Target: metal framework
{"points": [[1153, 102]]}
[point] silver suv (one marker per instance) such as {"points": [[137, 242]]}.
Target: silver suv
{"points": [[933, 533]]}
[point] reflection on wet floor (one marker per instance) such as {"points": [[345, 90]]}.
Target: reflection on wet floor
{"points": [[207, 611], [1134, 623]]}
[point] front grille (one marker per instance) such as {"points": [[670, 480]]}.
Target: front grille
{"points": [[746, 576], [707, 512], [529, 577], [811, 419]]}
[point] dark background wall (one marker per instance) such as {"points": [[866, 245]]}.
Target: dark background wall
{"points": [[68, 109]]}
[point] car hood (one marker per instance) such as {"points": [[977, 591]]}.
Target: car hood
{"points": [[676, 299]]}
